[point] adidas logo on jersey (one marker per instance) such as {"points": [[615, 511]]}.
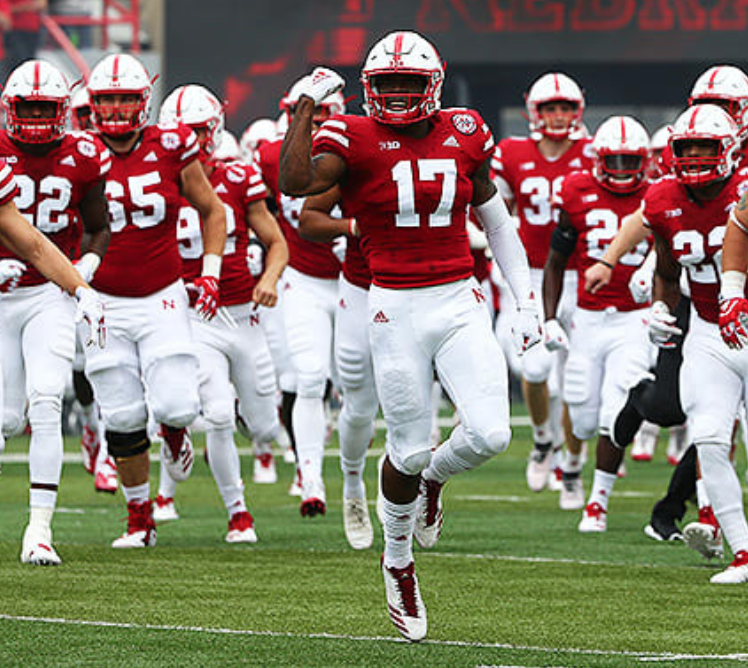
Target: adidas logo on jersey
{"points": [[220, 188], [68, 160], [592, 197], [151, 157], [576, 163], [451, 141], [380, 317], [527, 166]]}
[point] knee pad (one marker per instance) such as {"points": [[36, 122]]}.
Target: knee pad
{"points": [[352, 367], [488, 443], [44, 411], [177, 409], [360, 407], [311, 384], [13, 423], [536, 364], [218, 414], [266, 432], [126, 419], [123, 445], [584, 421], [412, 463]]}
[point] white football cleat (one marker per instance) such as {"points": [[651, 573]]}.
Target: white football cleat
{"points": [[705, 536], [572, 492], [264, 472], [736, 572], [357, 524], [90, 445], [429, 514], [645, 442], [295, 488], [164, 509], [404, 602], [105, 479], [241, 528], [37, 548], [677, 444], [141, 529], [594, 519], [179, 458], [313, 497], [538, 469]]}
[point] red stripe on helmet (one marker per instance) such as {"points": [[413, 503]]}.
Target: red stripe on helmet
{"points": [[555, 81], [115, 70], [179, 101], [37, 75], [713, 78], [623, 130], [692, 124], [397, 56]]}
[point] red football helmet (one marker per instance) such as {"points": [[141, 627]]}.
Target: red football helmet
{"points": [[120, 74], [704, 124], [402, 53], [36, 81], [621, 147]]}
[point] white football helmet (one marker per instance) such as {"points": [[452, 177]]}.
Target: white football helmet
{"points": [[228, 148], [257, 133], [723, 85], [554, 87], [621, 148], [36, 81], [197, 107], [402, 53], [120, 74], [704, 122], [80, 109], [657, 144]]}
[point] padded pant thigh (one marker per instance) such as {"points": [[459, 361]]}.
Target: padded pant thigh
{"points": [[121, 397], [173, 390], [582, 385], [216, 393], [309, 331]]}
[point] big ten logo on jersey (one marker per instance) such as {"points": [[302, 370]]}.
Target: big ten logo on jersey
{"points": [[291, 208], [391, 145], [44, 204], [539, 192], [189, 233], [432, 180], [605, 225], [700, 254]]}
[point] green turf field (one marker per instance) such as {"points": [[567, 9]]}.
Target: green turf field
{"points": [[511, 583]]}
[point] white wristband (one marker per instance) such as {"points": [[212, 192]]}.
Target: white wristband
{"points": [[212, 265], [733, 285]]}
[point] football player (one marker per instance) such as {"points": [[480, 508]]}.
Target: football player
{"points": [[407, 172], [609, 348], [310, 297], [258, 132], [232, 351], [528, 172], [60, 179], [150, 344]]}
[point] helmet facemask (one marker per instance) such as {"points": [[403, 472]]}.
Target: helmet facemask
{"points": [[120, 113], [622, 171], [403, 96], [699, 162], [38, 120]]}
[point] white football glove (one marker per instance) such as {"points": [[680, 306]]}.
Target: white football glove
{"points": [[526, 328], [339, 247], [554, 336], [322, 83], [255, 258], [87, 266], [640, 284], [91, 311], [10, 274], [662, 326]]}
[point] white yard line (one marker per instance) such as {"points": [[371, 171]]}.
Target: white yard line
{"points": [[642, 656]]}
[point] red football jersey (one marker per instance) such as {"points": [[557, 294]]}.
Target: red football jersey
{"points": [[694, 231], [8, 186], [308, 257], [533, 180], [355, 269], [51, 188], [410, 196], [238, 186], [597, 215], [144, 195]]}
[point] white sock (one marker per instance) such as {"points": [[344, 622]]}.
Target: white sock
{"points": [[399, 522], [167, 486], [90, 416], [572, 463], [556, 420], [702, 496], [226, 468], [541, 433], [45, 448], [40, 518], [309, 426], [43, 498], [355, 436], [723, 487], [602, 487], [450, 458], [137, 494]]}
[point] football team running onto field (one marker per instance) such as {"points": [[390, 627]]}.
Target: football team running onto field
{"points": [[330, 250]]}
